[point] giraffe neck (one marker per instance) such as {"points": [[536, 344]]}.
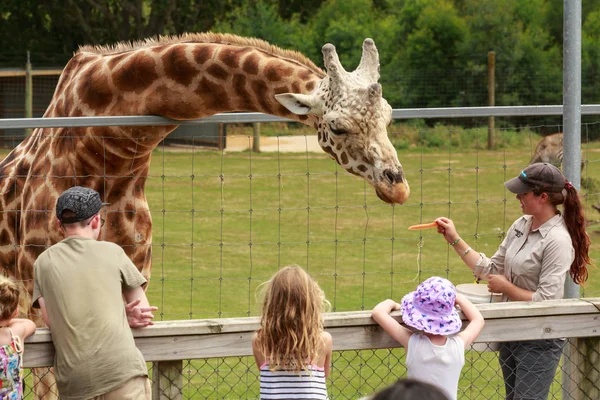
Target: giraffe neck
{"points": [[181, 81]]}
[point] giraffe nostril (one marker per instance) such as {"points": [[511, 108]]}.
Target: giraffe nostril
{"points": [[392, 177]]}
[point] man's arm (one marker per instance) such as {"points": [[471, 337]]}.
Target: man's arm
{"points": [[42, 304], [138, 309]]}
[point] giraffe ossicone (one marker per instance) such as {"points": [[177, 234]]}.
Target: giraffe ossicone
{"points": [[352, 119]]}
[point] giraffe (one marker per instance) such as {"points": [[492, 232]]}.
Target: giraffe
{"points": [[180, 77]]}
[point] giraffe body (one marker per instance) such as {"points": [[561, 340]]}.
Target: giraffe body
{"points": [[185, 77]]}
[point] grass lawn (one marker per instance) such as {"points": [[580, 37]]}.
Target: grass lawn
{"points": [[216, 239]]}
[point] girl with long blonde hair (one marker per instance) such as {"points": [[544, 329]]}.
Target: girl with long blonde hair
{"points": [[291, 349]]}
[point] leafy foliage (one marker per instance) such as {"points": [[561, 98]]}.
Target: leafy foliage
{"points": [[433, 52]]}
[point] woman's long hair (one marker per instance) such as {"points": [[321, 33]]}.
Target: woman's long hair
{"points": [[575, 223], [291, 322]]}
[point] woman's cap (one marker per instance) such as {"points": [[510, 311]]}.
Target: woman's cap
{"points": [[430, 308], [83, 202], [543, 176]]}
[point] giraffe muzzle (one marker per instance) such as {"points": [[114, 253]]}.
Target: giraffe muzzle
{"points": [[392, 188]]}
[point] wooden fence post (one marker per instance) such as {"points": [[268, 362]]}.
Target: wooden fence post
{"points": [[167, 380], [589, 350], [256, 137], [491, 95]]}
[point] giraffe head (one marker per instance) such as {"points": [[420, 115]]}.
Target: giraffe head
{"points": [[352, 119]]}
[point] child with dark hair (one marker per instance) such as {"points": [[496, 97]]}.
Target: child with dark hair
{"points": [[13, 332], [409, 389]]}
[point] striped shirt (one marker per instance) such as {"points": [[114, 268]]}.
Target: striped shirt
{"points": [[290, 384]]}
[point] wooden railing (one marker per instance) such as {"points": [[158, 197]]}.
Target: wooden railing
{"points": [[168, 343]]}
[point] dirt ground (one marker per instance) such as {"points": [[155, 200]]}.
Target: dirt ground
{"points": [[282, 144]]}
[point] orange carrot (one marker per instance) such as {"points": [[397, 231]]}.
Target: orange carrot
{"points": [[423, 226]]}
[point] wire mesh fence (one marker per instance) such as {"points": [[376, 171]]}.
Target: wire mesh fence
{"points": [[358, 373]]}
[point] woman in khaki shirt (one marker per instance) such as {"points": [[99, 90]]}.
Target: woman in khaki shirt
{"points": [[531, 264]]}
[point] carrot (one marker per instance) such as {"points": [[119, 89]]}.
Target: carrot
{"points": [[423, 226]]}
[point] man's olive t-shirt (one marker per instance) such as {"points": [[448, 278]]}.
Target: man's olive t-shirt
{"points": [[81, 281]]}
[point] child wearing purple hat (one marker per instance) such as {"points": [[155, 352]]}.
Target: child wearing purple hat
{"points": [[435, 352]]}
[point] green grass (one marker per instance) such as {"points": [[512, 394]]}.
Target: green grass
{"points": [[216, 240]]}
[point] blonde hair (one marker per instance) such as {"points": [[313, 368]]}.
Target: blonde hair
{"points": [[9, 297], [291, 322]]}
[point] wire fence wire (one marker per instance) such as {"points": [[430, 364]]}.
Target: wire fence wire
{"points": [[355, 374]]}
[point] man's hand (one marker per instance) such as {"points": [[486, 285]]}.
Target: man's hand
{"points": [[139, 317]]}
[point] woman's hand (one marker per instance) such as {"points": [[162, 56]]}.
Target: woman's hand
{"points": [[497, 283], [446, 227]]}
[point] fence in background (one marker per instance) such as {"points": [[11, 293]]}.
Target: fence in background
{"points": [[197, 359]]}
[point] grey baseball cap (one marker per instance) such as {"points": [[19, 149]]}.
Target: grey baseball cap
{"points": [[83, 202], [542, 176]]}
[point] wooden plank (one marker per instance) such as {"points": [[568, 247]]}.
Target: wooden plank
{"points": [[226, 344], [361, 318]]}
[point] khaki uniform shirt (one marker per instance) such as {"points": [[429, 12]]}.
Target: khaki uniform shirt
{"points": [[81, 281], [536, 260]]}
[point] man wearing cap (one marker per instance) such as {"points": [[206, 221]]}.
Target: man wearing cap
{"points": [[79, 283]]}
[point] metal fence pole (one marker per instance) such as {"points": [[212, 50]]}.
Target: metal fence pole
{"points": [[28, 91], [571, 163]]}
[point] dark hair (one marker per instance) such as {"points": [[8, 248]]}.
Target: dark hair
{"points": [[80, 224], [410, 389], [575, 223]]}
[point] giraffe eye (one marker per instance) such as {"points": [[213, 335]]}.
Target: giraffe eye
{"points": [[338, 131]]}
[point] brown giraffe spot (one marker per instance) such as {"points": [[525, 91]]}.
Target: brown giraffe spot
{"points": [[5, 236], [203, 52], [8, 258], [138, 72], [244, 100], [353, 172], [214, 95], [296, 88], [71, 68], [177, 67], [275, 71], [217, 71], [362, 168], [113, 60], [338, 146], [129, 212], [305, 75], [174, 104], [330, 151], [250, 64], [62, 143], [344, 157], [60, 170], [260, 92], [310, 86], [231, 56], [94, 91]]}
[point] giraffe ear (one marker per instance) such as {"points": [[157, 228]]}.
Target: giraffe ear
{"points": [[300, 104]]}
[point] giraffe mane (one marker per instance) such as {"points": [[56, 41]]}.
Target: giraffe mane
{"points": [[206, 37]]}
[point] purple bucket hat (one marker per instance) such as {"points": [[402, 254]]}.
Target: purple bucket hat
{"points": [[430, 308]]}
